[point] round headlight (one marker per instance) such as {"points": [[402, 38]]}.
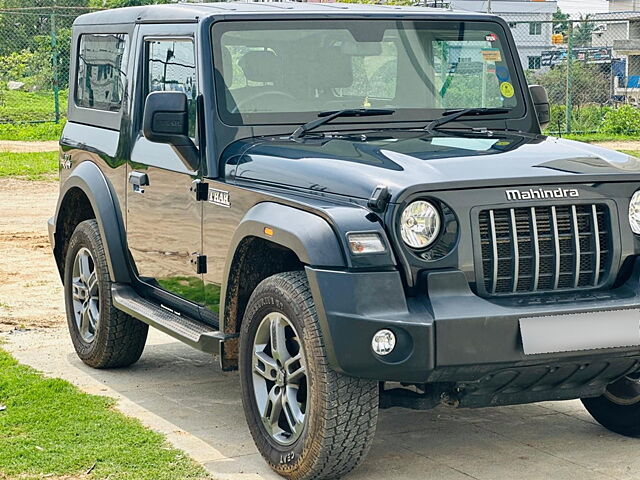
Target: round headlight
{"points": [[419, 224], [634, 213]]}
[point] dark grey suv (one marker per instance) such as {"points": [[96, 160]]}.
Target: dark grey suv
{"points": [[354, 205]]}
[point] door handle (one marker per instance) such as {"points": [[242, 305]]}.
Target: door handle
{"points": [[138, 180]]}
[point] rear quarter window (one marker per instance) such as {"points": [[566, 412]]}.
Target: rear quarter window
{"points": [[101, 71]]}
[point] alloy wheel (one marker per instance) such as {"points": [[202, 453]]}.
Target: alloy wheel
{"points": [[86, 295], [280, 382]]}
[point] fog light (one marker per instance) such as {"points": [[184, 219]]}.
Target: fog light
{"points": [[634, 213], [383, 342]]}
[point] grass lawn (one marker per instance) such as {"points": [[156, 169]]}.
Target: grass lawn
{"points": [[19, 106], [31, 131], [32, 166], [635, 153], [50, 429]]}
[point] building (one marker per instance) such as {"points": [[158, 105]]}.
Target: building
{"points": [[621, 32], [530, 22]]}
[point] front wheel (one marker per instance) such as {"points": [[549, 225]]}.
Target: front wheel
{"points": [[619, 408], [308, 421]]}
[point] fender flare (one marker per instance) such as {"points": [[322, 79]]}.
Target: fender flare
{"points": [[91, 181], [306, 234]]}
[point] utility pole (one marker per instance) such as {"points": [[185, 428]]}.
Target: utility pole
{"points": [[488, 6], [569, 90]]}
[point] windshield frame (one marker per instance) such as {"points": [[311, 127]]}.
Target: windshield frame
{"points": [[424, 115]]}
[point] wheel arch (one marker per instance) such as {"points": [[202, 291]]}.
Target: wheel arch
{"points": [[87, 194], [294, 239]]}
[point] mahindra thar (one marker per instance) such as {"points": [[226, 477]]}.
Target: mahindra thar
{"points": [[354, 206]]}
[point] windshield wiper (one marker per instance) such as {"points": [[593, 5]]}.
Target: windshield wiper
{"points": [[326, 117], [451, 115]]}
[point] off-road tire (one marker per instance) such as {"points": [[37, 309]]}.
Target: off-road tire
{"points": [[119, 338], [619, 416], [340, 425]]}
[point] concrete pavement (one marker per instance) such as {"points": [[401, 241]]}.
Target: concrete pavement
{"points": [[182, 393]]}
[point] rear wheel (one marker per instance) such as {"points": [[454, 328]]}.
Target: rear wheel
{"points": [[619, 408], [308, 421], [103, 336]]}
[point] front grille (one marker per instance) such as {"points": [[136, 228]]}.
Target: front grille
{"points": [[538, 249]]}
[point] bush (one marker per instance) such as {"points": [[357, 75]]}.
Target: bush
{"points": [[622, 121], [585, 119]]}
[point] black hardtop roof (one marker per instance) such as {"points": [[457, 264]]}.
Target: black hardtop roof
{"points": [[194, 12]]}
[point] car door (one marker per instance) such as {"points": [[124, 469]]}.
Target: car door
{"points": [[163, 217]]}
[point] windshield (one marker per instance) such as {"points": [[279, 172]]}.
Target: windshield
{"points": [[287, 71]]}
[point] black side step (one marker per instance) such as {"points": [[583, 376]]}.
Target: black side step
{"points": [[192, 332]]}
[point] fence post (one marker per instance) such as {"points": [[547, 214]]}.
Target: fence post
{"points": [[54, 64], [569, 104]]}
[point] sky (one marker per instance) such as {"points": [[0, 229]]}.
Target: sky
{"points": [[583, 6]]}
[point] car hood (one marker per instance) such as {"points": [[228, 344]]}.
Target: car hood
{"points": [[405, 161]]}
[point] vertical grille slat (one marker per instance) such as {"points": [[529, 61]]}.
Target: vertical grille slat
{"points": [[576, 242], [539, 249], [515, 249], [596, 244], [494, 280], [556, 247], [536, 249]]}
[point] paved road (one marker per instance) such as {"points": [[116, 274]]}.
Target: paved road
{"points": [[182, 393]]}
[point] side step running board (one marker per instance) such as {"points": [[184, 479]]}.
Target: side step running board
{"points": [[192, 332]]}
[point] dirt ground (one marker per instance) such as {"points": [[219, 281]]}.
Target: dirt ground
{"points": [[25, 147], [620, 145], [30, 289]]}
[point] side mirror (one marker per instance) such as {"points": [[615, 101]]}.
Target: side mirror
{"points": [[541, 104], [166, 120]]}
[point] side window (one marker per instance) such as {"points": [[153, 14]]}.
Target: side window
{"points": [[172, 67], [101, 71]]}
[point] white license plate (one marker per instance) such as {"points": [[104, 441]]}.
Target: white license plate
{"points": [[580, 331]]}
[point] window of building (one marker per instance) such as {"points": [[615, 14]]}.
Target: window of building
{"points": [[535, 28], [172, 67], [101, 71], [512, 25], [534, 63]]}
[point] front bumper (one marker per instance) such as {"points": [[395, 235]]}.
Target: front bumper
{"points": [[450, 335]]}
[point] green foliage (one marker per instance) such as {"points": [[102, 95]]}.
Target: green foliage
{"points": [[622, 121], [125, 3], [588, 83], [49, 428], [587, 118], [20, 29], [30, 166], [560, 22], [583, 32], [31, 131]]}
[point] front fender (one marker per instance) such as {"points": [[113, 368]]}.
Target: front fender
{"points": [[309, 236], [91, 181]]}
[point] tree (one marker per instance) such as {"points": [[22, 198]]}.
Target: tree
{"points": [[583, 33], [560, 22], [24, 20]]}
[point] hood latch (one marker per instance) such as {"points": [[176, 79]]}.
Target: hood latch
{"points": [[379, 199]]}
